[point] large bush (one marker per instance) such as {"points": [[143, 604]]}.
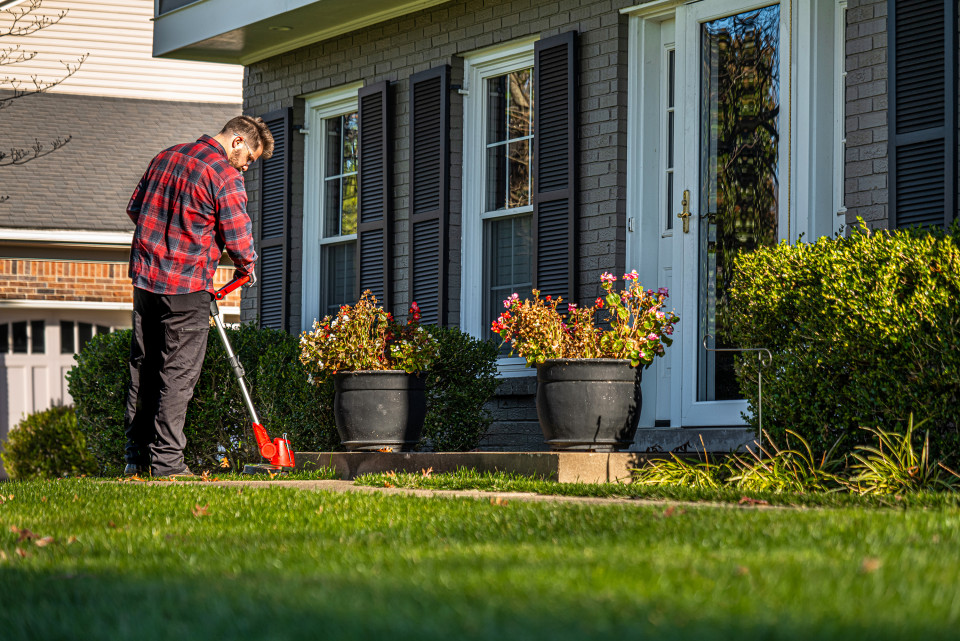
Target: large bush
{"points": [[864, 330], [460, 381], [217, 423], [47, 445]]}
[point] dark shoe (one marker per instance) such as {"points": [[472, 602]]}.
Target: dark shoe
{"points": [[183, 475], [133, 469]]}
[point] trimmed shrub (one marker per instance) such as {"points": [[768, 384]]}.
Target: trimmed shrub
{"points": [[864, 330], [47, 445], [460, 381], [217, 423]]}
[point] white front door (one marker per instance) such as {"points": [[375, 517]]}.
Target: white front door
{"points": [[708, 141], [727, 185]]}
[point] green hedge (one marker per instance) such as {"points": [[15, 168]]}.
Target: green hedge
{"points": [[460, 382], [864, 330], [47, 444], [217, 423]]}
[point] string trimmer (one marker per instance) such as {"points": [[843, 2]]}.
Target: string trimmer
{"points": [[277, 451]]}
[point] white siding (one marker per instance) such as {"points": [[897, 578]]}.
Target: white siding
{"points": [[118, 35]]}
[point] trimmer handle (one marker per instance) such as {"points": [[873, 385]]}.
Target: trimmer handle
{"points": [[220, 294]]}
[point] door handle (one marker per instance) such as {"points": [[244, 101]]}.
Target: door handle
{"points": [[685, 214]]}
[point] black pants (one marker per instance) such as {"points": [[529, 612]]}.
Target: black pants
{"points": [[166, 353]]}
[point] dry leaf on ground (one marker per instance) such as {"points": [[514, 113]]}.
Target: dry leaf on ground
{"points": [[201, 511], [870, 564], [44, 542]]}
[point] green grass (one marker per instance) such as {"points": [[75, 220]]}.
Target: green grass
{"points": [[466, 479], [279, 563]]}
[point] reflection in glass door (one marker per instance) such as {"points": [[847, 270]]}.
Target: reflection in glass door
{"points": [[739, 172]]}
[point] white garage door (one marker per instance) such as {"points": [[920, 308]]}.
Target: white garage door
{"points": [[36, 351]]}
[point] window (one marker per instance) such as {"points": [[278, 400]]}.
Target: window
{"points": [[330, 202], [339, 211], [23, 337], [508, 240], [498, 157]]}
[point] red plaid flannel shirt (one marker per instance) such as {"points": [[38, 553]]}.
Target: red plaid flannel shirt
{"points": [[189, 206]]}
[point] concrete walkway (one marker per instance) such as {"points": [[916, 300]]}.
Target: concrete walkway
{"points": [[482, 495]]}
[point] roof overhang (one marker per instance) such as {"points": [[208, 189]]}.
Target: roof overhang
{"points": [[245, 31]]}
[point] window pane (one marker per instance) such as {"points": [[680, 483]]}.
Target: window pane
{"points": [[332, 150], [84, 334], [670, 212], [339, 281], [519, 195], [348, 221], [496, 178], [350, 137], [496, 109], [38, 340], [509, 264], [671, 78], [66, 337], [331, 208], [20, 337], [4, 338], [103, 329], [520, 110]]}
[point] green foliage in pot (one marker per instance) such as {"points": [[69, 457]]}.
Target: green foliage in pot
{"points": [[864, 330], [217, 424], [365, 336], [459, 383], [637, 329], [47, 445]]}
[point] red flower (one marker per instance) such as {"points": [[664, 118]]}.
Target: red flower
{"points": [[599, 303], [548, 299]]}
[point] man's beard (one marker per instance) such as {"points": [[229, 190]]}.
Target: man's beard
{"points": [[236, 159]]}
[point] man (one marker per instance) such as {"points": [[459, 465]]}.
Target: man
{"points": [[190, 205]]}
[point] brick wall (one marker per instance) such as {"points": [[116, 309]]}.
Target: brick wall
{"points": [[866, 188], [23, 279], [396, 49]]}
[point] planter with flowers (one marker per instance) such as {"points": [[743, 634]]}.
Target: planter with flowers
{"points": [[378, 367], [588, 377]]}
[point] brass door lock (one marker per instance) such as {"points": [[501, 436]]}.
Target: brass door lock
{"points": [[685, 214]]}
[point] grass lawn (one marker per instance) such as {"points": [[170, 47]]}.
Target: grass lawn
{"points": [[196, 561]]}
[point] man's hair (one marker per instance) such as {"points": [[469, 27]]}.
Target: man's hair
{"points": [[253, 130]]}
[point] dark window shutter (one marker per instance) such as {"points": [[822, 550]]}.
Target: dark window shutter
{"points": [[429, 187], [554, 158], [922, 44], [374, 220], [274, 224]]}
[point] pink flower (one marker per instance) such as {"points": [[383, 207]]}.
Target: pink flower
{"points": [[663, 291], [668, 330], [607, 277], [571, 307], [510, 300], [643, 355], [631, 276], [652, 337]]}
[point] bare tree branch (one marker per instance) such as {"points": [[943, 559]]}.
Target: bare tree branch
{"points": [[19, 22]]}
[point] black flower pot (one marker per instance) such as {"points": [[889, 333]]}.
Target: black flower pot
{"points": [[379, 409], [588, 404]]}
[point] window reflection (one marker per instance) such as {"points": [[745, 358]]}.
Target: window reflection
{"points": [[739, 207]]}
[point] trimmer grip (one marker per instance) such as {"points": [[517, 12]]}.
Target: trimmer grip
{"points": [[221, 293]]}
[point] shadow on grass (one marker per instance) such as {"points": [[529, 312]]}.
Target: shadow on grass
{"points": [[303, 606]]}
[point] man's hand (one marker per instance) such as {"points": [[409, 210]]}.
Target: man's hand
{"points": [[237, 274]]}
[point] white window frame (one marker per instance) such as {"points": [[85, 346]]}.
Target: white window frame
{"points": [[477, 67], [319, 107]]}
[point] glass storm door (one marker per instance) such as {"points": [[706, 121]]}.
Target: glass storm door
{"points": [[727, 186]]}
